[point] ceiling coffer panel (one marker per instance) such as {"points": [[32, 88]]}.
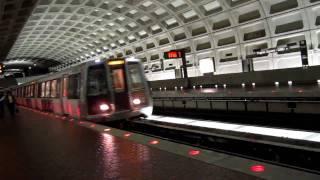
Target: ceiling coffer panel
{"points": [[73, 31]]}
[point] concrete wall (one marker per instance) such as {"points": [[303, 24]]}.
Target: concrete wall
{"points": [[28, 79], [297, 75], [7, 82]]}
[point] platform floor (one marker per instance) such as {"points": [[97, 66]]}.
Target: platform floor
{"points": [[39, 146]]}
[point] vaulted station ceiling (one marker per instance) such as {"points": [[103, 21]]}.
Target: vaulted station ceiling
{"points": [[73, 31], [13, 15]]}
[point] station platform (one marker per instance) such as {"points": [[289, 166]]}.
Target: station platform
{"points": [[37, 145]]}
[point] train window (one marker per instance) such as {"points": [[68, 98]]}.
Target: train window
{"points": [[32, 90], [36, 90], [118, 80], [135, 76], [54, 88], [43, 89], [74, 86], [24, 91], [65, 87], [27, 91], [47, 94], [40, 90], [58, 88], [97, 81]]}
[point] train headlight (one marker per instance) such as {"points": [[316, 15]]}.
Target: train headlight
{"points": [[104, 107], [136, 101]]}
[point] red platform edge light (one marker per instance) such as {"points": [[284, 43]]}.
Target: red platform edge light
{"points": [[127, 135], [194, 152], [257, 168], [154, 142]]}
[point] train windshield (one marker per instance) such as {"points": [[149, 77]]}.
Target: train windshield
{"points": [[135, 76], [118, 80], [97, 81]]}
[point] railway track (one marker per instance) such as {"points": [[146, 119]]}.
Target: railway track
{"points": [[304, 122], [303, 156]]}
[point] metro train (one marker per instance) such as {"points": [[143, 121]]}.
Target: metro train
{"points": [[96, 91]]}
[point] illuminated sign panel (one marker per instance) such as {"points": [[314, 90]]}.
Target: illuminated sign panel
{"points": [[174, 54], [117, 61], [179, 54], [206, 65]]}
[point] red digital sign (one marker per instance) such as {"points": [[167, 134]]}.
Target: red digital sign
{"points": [[173, 54]]}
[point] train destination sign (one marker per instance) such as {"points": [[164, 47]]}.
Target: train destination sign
{"points": [[174, 54], [179, 54]]}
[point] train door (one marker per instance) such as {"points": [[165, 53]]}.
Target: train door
{"points": [[97, 90], [120, 87], [138, 88]]}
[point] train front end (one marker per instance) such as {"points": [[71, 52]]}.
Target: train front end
{"points": [[117, 89]]}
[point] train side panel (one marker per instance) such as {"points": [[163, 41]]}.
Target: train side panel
{"points": [[66, 93]]}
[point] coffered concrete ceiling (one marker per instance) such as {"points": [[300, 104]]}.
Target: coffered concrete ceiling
{"points": [[73, 31]]}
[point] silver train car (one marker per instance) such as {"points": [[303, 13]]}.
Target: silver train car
{"points": [[96, 91]]}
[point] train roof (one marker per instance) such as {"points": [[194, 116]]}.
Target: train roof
{"points": [[75, 69]]}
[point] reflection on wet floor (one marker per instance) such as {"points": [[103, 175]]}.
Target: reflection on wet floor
{"points": [[37, 146]]}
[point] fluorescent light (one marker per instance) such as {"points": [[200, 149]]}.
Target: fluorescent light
{"points": [[275, 132]]}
